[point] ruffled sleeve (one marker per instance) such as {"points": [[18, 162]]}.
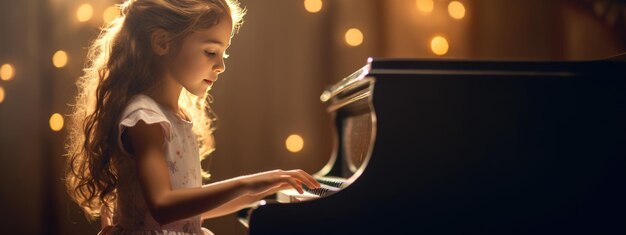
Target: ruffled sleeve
{"points": [[142, 108]]}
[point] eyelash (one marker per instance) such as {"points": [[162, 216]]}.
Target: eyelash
{"points": [[213, 54]]}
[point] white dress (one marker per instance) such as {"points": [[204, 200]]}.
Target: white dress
{"points": [[131, 215]]}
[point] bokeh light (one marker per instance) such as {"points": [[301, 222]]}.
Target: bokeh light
{"points": [[110, 14], [425, 5], [313, 6], [84, 12], [59, 59], [456, 10], [294, 143], [439, 45], [354, 37], [56, 122], [1, 95], [7, 72]]}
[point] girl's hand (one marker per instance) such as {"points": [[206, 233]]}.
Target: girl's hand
{"points": [[271, 181]]}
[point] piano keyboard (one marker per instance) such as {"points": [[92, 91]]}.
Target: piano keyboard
{"points": [[322, 191], [331, 181], [328, 186]]}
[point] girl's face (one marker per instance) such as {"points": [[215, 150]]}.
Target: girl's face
{"points": [[200, 58]]}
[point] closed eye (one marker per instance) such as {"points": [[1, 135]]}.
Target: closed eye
{"points": [[213, 54], [210, 54]]}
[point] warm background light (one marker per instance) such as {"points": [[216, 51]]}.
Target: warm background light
{"points": [[84, 12], [439, 45], [313, 6], [59, 59], [456, 9], [7, 72], [1, 94], [56, 122], [110, 14], [294, 143], [425, 5], [354, 37]]}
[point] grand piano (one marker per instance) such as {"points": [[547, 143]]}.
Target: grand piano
{"points": [[467, 147]]}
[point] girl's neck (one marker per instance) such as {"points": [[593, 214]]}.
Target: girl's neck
{"points": [[166, 93]]}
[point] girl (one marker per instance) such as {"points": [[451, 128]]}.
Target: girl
{"points": [[136, 136]]}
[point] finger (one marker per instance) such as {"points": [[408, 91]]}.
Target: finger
{"points": [[310, 177], [282, 187], [301, 175], [294, 184], [306, 178]]}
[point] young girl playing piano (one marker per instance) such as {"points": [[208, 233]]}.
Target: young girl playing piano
{"points": [[141, 122]]}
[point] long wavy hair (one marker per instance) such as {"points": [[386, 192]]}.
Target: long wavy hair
{"points": [[120, 64]]}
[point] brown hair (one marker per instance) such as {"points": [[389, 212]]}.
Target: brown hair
{"points": [[121, 64]]}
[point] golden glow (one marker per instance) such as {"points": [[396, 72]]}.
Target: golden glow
{"points": [[56, 122], [7, 72], [294, 143], [313, 6], [84, 12], [1, 95], [456, 10], [59, 59], [110, 14], [354, 37], [439, 45], [425, 5]]}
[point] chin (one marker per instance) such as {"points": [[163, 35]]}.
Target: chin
{"points": [[199, 92]]}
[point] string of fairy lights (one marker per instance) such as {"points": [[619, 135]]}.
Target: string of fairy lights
{"points": [[353, 37]]}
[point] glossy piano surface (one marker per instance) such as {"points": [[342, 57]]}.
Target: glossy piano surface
{"points": [[453, 146]]}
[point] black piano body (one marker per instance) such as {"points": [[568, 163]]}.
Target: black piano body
{"points": [[469, 147]]}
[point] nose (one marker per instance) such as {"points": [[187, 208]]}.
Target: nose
{"points": [[220, 66]]}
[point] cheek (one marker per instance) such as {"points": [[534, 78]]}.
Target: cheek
{"points": [[188, 64]]}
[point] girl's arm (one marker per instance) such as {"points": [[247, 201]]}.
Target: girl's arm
{"points": [[240, 203], [167, 205]]}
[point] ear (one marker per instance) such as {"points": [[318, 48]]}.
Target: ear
{"points": [[158, 41]]}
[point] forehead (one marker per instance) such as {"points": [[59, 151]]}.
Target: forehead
{"points": [[219, 33]]}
